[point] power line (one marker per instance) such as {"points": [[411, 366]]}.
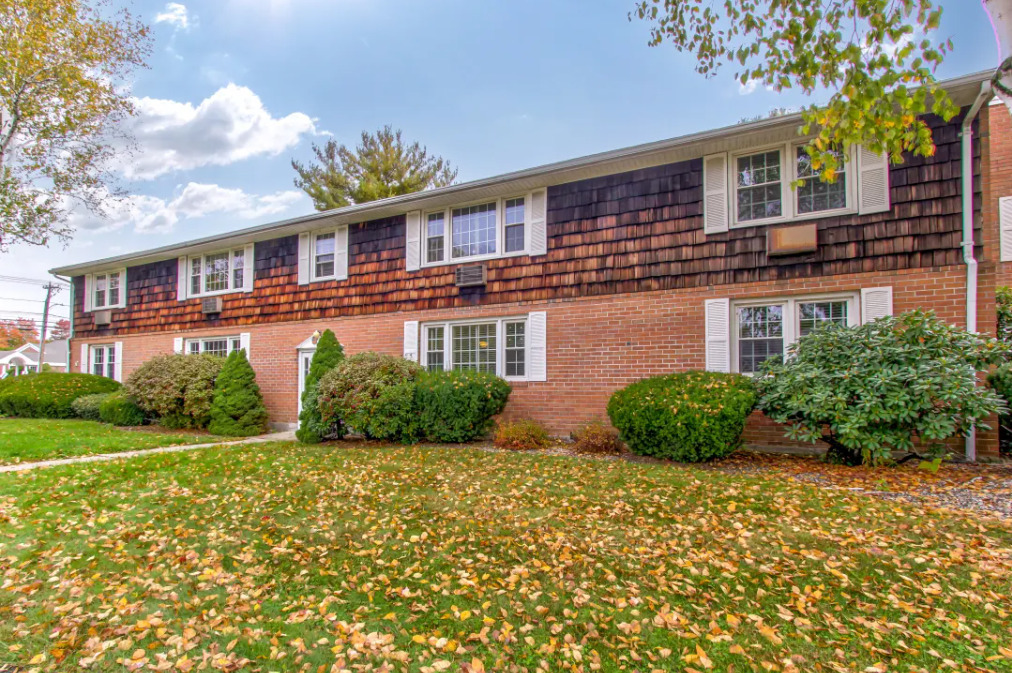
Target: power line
{"points": [[30, 281]]}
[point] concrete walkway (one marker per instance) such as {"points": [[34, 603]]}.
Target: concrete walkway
{"points": [[23, 467]]}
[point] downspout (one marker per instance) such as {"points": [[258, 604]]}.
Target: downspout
{"points": [[966, 136]]}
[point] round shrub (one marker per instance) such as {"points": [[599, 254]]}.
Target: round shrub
{"points": [[372, 394], [523, 435], [238, 408], [312, 429], [870, 390], [689, 417], [176, 390], [596, 437], [49, 395], [118, 409], [87, 406], [458, 406]]}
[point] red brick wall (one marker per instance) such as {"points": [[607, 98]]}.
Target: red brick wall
{"points": [[996, 159], [595, 344]]}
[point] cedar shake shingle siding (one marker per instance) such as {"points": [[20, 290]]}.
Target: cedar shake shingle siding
{"points": [[623, 233]]}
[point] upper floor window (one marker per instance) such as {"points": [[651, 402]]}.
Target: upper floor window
{"points": [[323, 255], [217, 272], [475, 232], [762, 186], [105, 290]]}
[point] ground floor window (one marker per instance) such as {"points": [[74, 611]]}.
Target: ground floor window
{"points": [[219, 346], [495, 346], [764, 329], [103, 361]]}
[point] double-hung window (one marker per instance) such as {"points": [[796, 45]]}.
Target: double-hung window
{"points": [[324, 250], [494, 346], [762, 186], [106, 290], [103, 361], [219, 346], [765, 329], [323, 255], [218, 272], [473, 232]]}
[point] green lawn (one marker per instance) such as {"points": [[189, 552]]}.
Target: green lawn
{"points": [[25, 440], [280, 557]]}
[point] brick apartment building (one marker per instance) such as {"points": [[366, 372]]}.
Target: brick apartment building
{"points": [[574, 279]]}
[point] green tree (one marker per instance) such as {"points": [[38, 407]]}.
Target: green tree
{"points": [[62, 63], [237, 409], [312, 428], [876, 57], [381, 166]]}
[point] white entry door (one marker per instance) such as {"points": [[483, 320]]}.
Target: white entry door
{"points": [[305, 360]]}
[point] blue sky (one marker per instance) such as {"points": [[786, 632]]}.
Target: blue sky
{"points": [[237, 88]]}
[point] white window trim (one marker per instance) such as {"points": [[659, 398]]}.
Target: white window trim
{"points": [[90, 288], [500, 342], [106, 348], [788, 194], [307, 264], [313, 235], [791, 319], [500, 232], [231, 252], [234, 343]]}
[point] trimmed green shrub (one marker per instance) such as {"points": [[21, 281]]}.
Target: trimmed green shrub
{"points": [[372, 394], [458, 406], [596, 437], [524, 435], [870, 390], [118, 409], [312, 430], [1003, 307], [49, 394], [176, 390], [1000, 381], [238, 408], [87, 406], [689, 417]]}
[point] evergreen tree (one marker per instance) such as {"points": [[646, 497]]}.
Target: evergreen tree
{"points": [[383, 165], [238, 407], [312, 429]]}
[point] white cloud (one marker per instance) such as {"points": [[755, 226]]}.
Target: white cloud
{"points": [[153, 215], [748, 87], [230, 125], [176, 15]]}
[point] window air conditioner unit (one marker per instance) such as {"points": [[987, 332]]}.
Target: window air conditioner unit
{"points": [[103, 318], [210, 305], [471, 275]]}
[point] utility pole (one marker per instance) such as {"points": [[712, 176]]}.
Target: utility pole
{"points": [[50, 288]]}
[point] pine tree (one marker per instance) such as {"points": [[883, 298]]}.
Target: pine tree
{"points": [[238, 407], [312, 429]]}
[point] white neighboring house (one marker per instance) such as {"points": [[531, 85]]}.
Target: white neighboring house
{"points": [[25, 359]]}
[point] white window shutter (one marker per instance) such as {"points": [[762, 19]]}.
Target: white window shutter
{"points": [[303, 259], [413, 240], [876, 302], [411, 340], [537, 244], [244, 343], [177, 345], [182, 278], [537, 350], [873, 181], [89, 292], [84, 358], [1005, 227], [715, 194], [718, 335], [341, 258], [248, 268], [118, 365], [122, 290]]}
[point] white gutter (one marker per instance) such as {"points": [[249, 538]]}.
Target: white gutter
{"points": [[986, 93]]}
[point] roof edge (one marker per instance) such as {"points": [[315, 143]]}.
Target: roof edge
{"points": [[294, 224]]}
